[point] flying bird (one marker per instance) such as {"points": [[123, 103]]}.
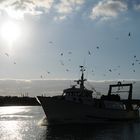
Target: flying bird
{"points": [[97, 47], [67, 70], [7, 54], [48, 72], [50, 42], [69, 52], [129, 34], [89, 53], [61, 54]]}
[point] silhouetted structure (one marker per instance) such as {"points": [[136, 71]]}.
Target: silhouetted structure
{"points": [[18, 101]]}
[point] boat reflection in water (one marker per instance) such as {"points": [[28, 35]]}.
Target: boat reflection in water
{"points": [[109, 131]]}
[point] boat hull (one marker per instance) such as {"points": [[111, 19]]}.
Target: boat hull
{"points": [[61, 111]]}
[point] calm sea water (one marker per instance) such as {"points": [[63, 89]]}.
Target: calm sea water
{"points": [[28, 123]]}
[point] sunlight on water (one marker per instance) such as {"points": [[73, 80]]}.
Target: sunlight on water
{"points": [[27, 123], [11, 130], [20, 123], [12, 110]]}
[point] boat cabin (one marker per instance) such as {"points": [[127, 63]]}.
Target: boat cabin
{"points": [[77, 92]]}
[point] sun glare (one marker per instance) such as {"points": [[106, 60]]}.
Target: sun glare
{"points": [[10, 31]]}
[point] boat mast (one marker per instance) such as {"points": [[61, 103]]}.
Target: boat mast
{"points": [[82, 80]]}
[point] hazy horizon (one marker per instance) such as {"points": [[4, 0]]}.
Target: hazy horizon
{"points": [[56, 87]]}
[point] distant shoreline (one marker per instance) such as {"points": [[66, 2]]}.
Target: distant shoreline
{"points": [[18, 101]]}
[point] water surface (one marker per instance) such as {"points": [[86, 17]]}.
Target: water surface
{"points": [[27, 123]]}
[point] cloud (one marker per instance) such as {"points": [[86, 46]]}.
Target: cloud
{"points": [[137, 7], [107, 9], [104, 9], [60, 18], [18, 8], [68, 6]]}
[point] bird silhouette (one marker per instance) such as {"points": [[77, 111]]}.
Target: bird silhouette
{"points": [[67, 70], [48, 72], [89, 53], [69, 52], [50, 42], [129, 34], [7, 54]]}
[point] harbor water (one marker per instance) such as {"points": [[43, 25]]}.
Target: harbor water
{"points": [[29, 123]]}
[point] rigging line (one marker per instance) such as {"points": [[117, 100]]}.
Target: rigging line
{"points": [[93, 88]]}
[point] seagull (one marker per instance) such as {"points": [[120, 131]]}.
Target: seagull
{"points": [[67, 70], [69, 52], [50, 42], [7, 54], [89, 53], [97, 47], [48, 72], [129, 34]]}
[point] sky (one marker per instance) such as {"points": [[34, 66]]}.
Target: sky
{"points": [[50, 39]]}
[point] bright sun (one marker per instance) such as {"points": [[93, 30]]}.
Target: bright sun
{"points": [[10, 31]]}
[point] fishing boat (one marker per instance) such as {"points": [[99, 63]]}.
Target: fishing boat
{"points": [[77, 105]]}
